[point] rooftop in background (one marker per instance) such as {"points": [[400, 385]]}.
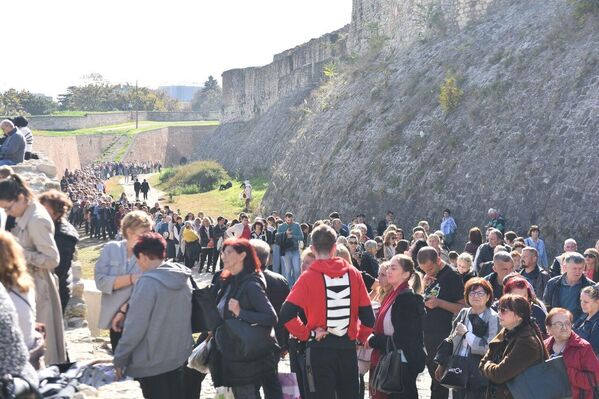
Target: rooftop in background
{"points": [[181, 93]]}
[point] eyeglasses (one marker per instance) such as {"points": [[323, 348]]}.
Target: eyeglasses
{"points": [[503, 309], [478, 294], [561, 325], [589, 256], [352, 242]]}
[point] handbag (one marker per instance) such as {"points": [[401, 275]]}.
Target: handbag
{"points": [[210, 243], [546, 380], [456, 372], [289, 386], [198, 360], [204, 314], [239, 340], [389, 372]]}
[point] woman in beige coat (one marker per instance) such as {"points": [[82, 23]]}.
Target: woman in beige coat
{"points": [[34, 230]]}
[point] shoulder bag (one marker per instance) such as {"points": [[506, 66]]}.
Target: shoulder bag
{"points": [[238, 340], [204, 314], [390, 371], [546, 380], [457, 370]]}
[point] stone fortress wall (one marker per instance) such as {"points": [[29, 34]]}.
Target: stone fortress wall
{"points": [[91, 120], [250, 92]]}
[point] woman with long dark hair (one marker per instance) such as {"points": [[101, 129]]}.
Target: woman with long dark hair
{"points": [[475, 240], [242, 296], [400, 319], [517, 347]]}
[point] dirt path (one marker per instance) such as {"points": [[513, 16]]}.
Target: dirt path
{"points": [[154, 195]]}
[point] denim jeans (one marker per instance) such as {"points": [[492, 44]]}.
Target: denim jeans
{"points": [[290, 264], [276, 258], [6, 162]]}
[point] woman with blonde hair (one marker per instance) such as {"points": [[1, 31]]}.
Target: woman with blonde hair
{"points": [[19, 285], [117, 271], [34, 231]]}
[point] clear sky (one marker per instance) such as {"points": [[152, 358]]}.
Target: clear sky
{"points": [[161, 42]]}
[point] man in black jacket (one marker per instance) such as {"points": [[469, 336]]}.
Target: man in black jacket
{"points": [[383, 224], [277, 289], [145, 187], [369, 265], [136, 188]]}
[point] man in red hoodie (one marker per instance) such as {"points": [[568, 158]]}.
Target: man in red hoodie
{"points": [[332, 296]]}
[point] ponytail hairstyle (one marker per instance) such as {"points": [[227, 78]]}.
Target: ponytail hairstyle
{"points": [[12, 186], [407, 264]]}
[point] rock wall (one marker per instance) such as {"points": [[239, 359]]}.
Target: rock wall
{"points": [[520, 138], [250, 92], [64, 152], [168, 145], [403, 22]]}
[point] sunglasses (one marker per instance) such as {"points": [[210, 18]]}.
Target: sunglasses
{"points": [[589, 256], [352, 242]]}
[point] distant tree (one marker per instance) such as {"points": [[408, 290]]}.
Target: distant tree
{"points": [[12, 103], [210, 84], [209, 99], [36, 104]]}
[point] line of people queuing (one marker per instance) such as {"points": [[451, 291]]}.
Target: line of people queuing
{"points": [[327, 324], [353, 298], [106, 170]]}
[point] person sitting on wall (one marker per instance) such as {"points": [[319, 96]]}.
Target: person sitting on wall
{"points": [[12, 151]]}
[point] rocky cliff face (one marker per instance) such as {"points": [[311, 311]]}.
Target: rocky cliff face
{"points": [[522, 137]]}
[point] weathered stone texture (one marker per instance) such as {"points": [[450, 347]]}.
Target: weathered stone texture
{"points": [[250, 92], [523, 138]]}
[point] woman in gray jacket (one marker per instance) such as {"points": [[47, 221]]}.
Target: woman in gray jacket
{"points": [[156, 340], [117, 271], [473, 328], [34, 230]]}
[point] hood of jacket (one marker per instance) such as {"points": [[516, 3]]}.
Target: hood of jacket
{"points": [[172, 275], [333, 267]]}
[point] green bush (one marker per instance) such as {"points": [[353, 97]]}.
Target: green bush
{"points": [[449, 94], [583, 8], [196, 177]]}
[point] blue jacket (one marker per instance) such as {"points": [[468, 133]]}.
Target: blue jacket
{"points": [[13, 148], [588, 330], [551, 296]]}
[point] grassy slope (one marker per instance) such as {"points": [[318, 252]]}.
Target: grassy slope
{"points": [[218, 203], [124, 128]]}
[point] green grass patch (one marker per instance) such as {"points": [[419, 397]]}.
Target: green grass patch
{"points": [[113, 188], [225, 203], [196, 177], [88, 254], [123, 128]]}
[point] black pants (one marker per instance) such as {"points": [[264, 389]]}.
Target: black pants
{"points": [[115, 337], [271, 385], [168, 385], [64, 289], [431, 342], [297, 361], [335, 372], [192, 383], [207, 253]]}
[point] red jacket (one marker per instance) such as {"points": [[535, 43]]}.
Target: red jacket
{"points": [[310, 295], [581, 363]]}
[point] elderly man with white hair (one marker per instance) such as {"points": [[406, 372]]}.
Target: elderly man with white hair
{"points": [[557, 267], [12, 151]]}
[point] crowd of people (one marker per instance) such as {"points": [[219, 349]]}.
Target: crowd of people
{"points": [[342, 300], [130, 170]]}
